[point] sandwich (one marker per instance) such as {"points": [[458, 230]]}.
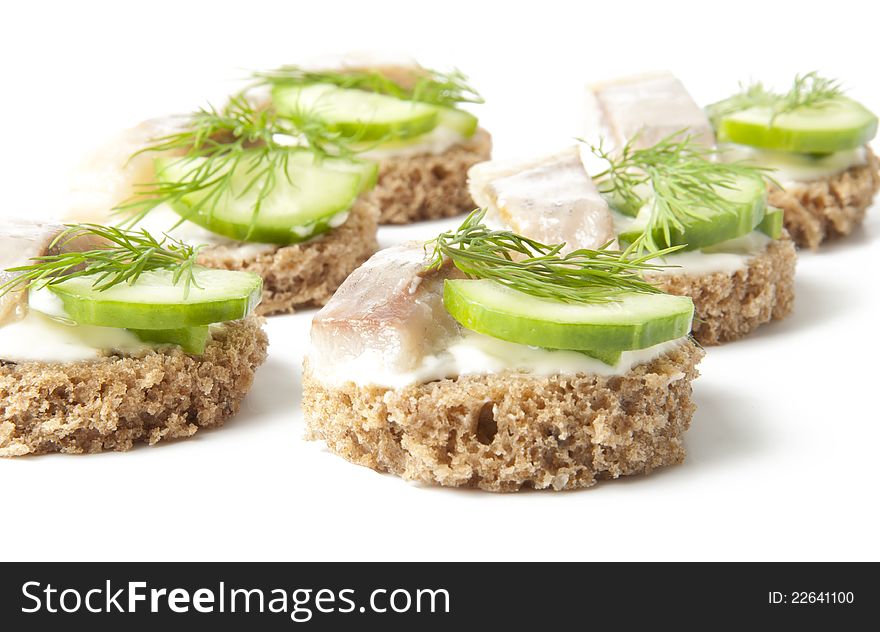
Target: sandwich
{"points": [[815, 138], [406, 117], [486, 359], [283, 197], [111, 337]]}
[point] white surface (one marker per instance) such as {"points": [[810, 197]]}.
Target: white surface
{"points": [[782, 452]]}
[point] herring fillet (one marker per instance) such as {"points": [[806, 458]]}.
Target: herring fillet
{"points": [[114, 172], [389, 310], [22, 240], [552, 200], [398, 68], [652, 107]]}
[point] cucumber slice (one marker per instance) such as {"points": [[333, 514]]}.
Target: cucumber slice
{"points": [[457, 120], [366, 169], [750, 196], [154, 302], [190, 339], [635, 321], [357, 113], [610, 358], [771, 225], [302, 204], [840, 124]]}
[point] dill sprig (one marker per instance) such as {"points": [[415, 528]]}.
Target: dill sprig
{"points": [[427, 86], [809, 90], [214, 143], [580, 276], [677, 176], [125, 255], [749, 96]]}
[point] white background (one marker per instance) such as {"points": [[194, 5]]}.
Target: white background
{"points": [[782, 454]]}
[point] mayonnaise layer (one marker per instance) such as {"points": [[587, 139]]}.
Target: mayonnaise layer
{"points": [[46, 334], [793, 167], [41, 338], [439, 140], [727, 257], [477, 354]]}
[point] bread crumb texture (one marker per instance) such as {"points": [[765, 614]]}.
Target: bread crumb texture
{"points": [[113, 402], [429, 186], [509, 431], [823, 209], [305, 274], [729, 305]]}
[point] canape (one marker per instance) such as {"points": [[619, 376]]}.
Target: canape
{"points": [[406, 117], [815, 138], [111, 337], [488, 360], [283, 198]]}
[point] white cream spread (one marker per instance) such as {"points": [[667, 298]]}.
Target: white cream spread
{"points": [[477, 354], [41, 338], [728, 256], [793, 167], [47, 334], [48, 303], [439, 140]]}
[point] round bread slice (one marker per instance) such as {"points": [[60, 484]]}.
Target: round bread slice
{"points": [[729, 305], [823, 209], [305, 274], [113, 402], [508, 431], [429, 186]]}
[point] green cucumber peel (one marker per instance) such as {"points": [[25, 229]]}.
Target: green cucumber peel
{"points": [[611, 358], [772, 224], [191, 340], [154, 301], [633, 321]]}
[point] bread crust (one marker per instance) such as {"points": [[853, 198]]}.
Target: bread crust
{"points": [[729, 305], [819, 210], [305, 274], [429, 186], [113, 402], [508, 431]]}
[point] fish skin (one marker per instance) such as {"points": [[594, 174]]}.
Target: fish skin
{"points": [[552, 200], [649, 108], [391, 306]]}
